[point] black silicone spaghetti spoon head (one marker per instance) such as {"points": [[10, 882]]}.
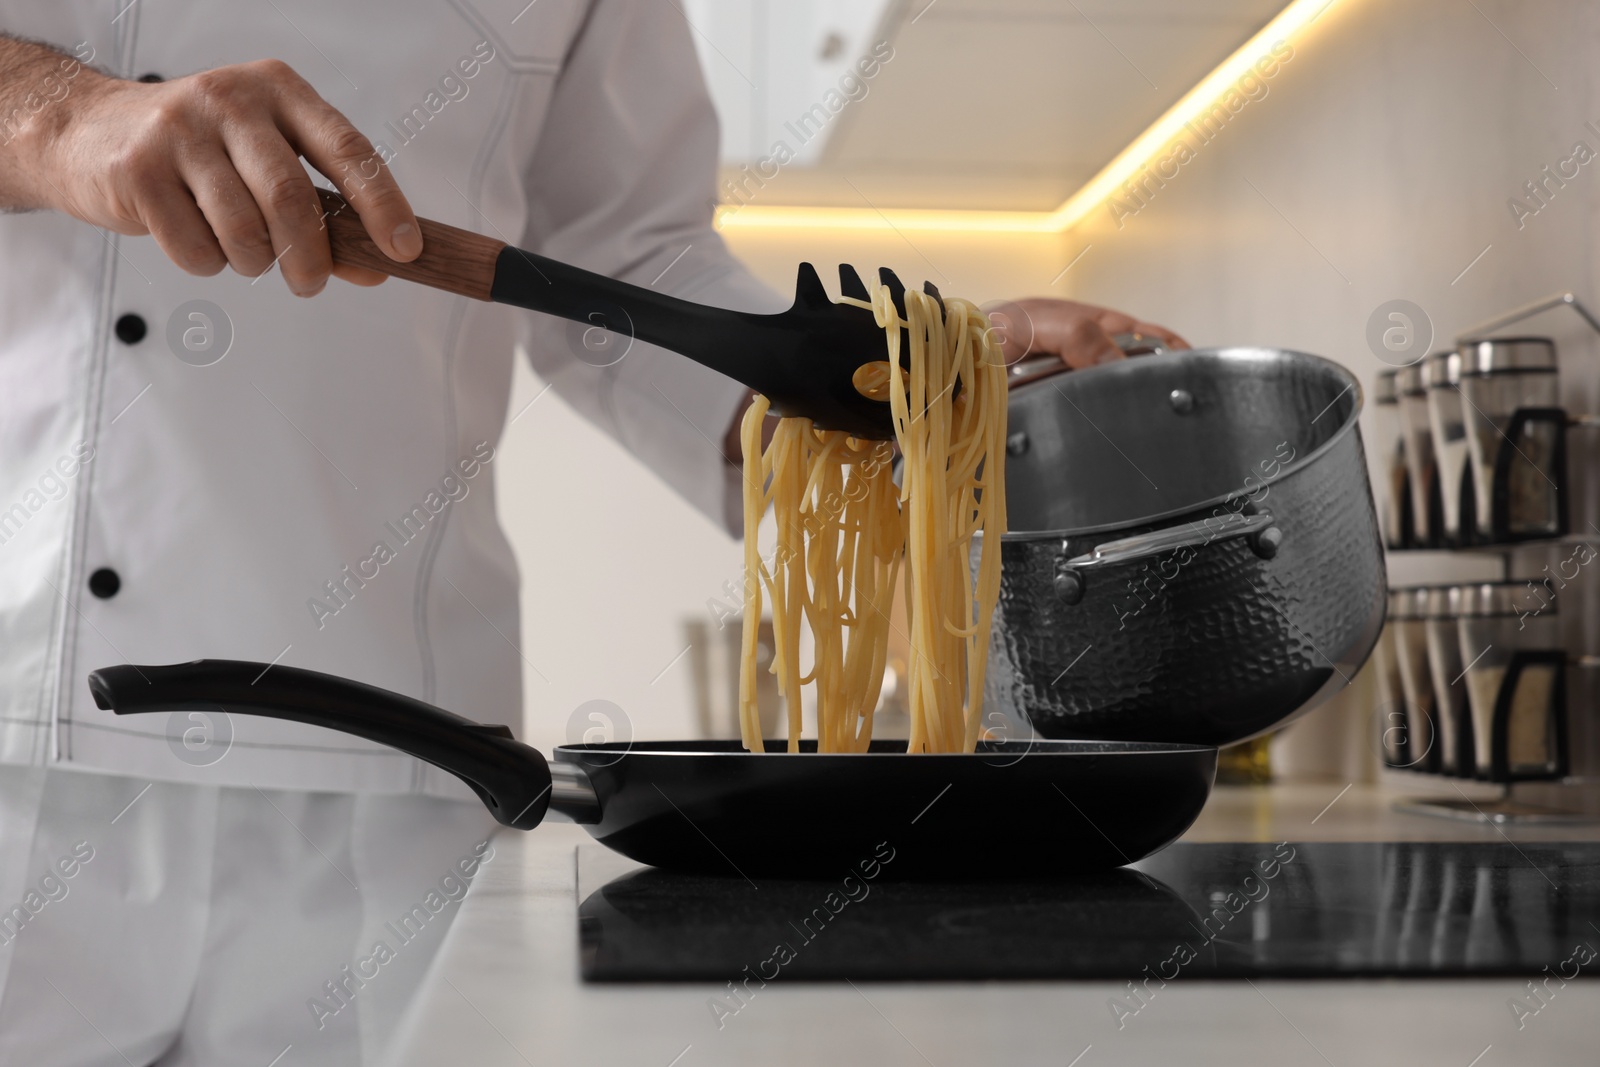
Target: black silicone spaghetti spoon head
{"points": [[812, 370], [808, 368]]}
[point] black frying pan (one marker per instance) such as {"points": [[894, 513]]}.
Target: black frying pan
{"points": [[1012, 810]]}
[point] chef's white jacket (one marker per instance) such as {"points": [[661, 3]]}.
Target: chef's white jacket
{"points": [[322, 494]]}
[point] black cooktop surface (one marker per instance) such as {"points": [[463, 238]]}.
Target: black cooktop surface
{"points": [[1202, 910]]}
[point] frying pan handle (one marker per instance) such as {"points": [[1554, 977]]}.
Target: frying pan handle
{"points": [[511, 779]]}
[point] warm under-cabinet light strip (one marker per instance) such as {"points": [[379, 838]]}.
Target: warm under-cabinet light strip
{"points": [[1147, 146]]}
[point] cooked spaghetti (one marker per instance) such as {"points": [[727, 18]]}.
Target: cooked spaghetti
{"points": [[845, 532]]}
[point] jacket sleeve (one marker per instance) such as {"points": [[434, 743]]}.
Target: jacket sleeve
{"points": [[623, 182]]}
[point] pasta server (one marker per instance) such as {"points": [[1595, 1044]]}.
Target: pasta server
{"points": [[1013, 809], [803, 360]]}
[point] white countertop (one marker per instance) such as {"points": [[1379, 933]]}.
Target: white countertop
{"points": [[505, 990]]}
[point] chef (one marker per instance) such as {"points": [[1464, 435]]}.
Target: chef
{"points": [[198, 459]]}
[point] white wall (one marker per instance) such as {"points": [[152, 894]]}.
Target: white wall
{"points": [[1382, 160], [612, 562], [1384, 155]]}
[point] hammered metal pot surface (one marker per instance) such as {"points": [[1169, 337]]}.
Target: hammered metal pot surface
{"points": [[1210, 644]]}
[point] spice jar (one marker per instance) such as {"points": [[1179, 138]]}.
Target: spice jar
{"points": [[1396, 505], [1515, 670], [1452, 710], [1421, 470], [1391, 724], [1408, 616], [1441, 374], [1516, 437]]}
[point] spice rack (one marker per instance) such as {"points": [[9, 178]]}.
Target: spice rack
{"points": [[1493, 681]]}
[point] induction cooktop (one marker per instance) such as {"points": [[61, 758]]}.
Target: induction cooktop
{"points": [[1201, 910]]}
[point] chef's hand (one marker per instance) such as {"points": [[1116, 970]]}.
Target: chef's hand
{"points": [[209, 164], [1079, 333]]}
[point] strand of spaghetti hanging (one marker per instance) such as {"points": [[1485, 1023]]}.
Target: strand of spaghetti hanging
{"points": [[841, 587], [846, 533], [945, 444]]}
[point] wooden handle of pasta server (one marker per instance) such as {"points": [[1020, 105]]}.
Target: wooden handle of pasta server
{"points": [[452, 259]]}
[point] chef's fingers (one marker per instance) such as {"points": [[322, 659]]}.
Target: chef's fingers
{"points": [[288, 202], [231, 211], [359, 275], [1150, 329], [1111, 320], [180, 229], [1079, 341], [1115, 322], [336, 148], [1081, 334], [1012, 328], [1074, 332]]}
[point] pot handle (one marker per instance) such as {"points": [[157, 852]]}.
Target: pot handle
{"points": [[1137, 344], [1189, 535], [1265, 538], [1043, 365], [511, 779]]}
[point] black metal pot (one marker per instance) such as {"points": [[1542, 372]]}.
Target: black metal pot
{"points": [[1194, 555]]}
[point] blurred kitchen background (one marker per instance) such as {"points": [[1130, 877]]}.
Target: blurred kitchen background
{"points": [[1380, 164]]}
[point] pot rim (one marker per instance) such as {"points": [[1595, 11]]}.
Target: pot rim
{"points": [[1235, 354]]}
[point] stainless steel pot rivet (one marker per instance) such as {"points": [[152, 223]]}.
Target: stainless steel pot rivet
{"points": [[1069, 586], [1017, 443], [1182, 401], [1266, 543]]}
